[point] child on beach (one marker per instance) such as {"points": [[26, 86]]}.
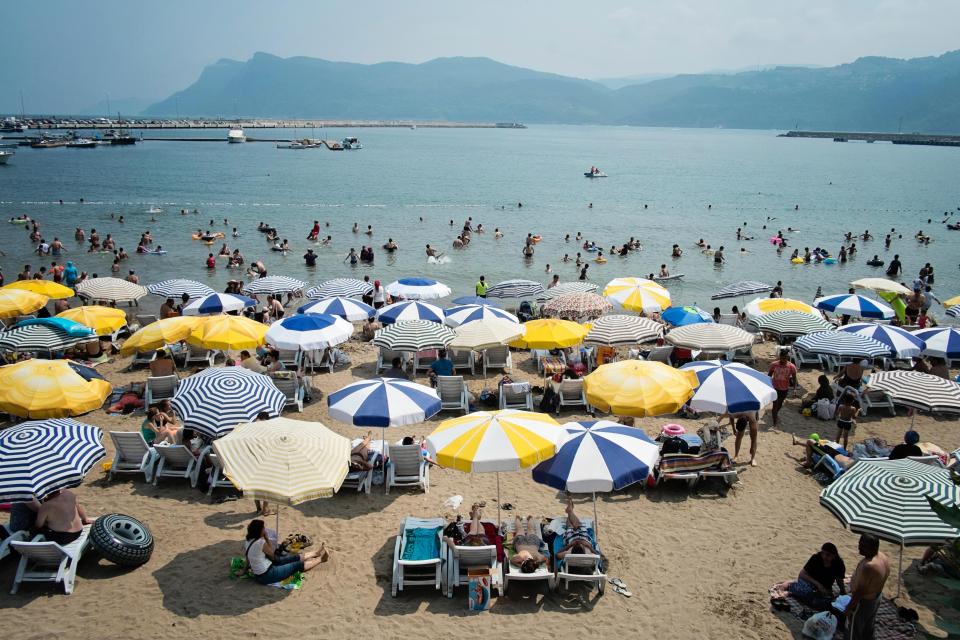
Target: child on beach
{"points": [[847, 410]]}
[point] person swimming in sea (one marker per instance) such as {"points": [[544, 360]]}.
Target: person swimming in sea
{"points": [[390, 246]]}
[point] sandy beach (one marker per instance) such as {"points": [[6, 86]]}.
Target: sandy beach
{"points": [[698, 564]]}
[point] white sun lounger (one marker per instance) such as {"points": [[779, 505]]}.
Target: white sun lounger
{"points": [[42, 561], [572, 394], [176, 461], [578, 567], [160, 388], [15, 536], [406, 467], [543, 572], [453, 394], [497, 359], [427, 572], [461, 559], [132, 454]]}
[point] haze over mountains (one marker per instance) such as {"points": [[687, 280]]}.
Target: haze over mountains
{"points": [[871, 93]]}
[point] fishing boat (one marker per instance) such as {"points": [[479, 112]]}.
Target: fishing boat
{"points": [[118, 137], [50, 143], [236, 135], [351, 144], [305, 143], [82, 143], [594, 173], [6, 155]]}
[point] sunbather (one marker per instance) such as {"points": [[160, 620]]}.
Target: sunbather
{"points": [[576, 536], [360, 454], [476, 535], [260, 557], [815, 445], [60, 517], [526, 546]]}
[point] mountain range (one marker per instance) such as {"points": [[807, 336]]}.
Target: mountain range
{"points": [[869, 94]]}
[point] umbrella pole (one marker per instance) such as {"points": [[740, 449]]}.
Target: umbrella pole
{"points": [[498, 499], [596, 527], [278, 523], [900, 571]]}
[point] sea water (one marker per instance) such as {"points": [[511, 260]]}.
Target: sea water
{"points": [[665, 187]]}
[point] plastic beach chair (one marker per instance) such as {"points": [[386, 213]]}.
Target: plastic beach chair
{"points": [[42, 561], [416, 571]]}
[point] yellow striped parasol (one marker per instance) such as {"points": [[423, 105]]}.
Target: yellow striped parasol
{"points": [[40, 388], [550, 333], [639, 388], [103, 320], [159, 334], [761, 306], [228, 333], [53, 290], [18, 302], [285, 461], [637, 294]]}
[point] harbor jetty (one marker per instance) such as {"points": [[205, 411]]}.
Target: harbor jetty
{"points": [[929, 139], [221, 123]]}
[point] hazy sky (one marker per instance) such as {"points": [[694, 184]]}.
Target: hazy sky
{"points": [[68, 54]]}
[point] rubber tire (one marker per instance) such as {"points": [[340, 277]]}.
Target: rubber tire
{"points": [[122, 539]]}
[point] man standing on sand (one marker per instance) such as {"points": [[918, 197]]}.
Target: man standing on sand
{"points": [[784, 375], [866, 585]]}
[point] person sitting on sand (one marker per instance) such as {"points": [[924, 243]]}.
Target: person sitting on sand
{"points": [[824, 392], [526, 546], [576, 536], [61, 517], [814, 584], [260, 557], [908, 447], [815, 445]]}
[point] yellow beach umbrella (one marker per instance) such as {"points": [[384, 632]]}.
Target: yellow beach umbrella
{"points": [[881, 285], [760, 306], [40, 388], [228, 333], [159, 334], [637, 294], [49, 288], [103, 320], [639, 388], [550, 333], [18, 302]]}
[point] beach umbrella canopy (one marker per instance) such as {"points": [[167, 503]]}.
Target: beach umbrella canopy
{"points": [[637, 294], [41, 337], [951, 302], [284, 461], [710, 337], [485, 334], [340, 287], [901, 342], [20, 302], [854, 305], [762, 306], [683, 316], [576, 286], [40, 457], [598, 456], [639, 388], [103, 320], [464, 300], [309, 332], [918, 390], [941, 342], [842, 343], [412, 310], [418, 289], [40, 388], [790, 323], [176, 287], [729, 387], [413, 335], [346, 308], [272, 285], [881, 285], [228, 333], [159, 334], [456, 316], [216, 303], [954, 311], [110, 290], [577, 305], [214, 401], [515, 289], [550, 333], [383, 402], [49, 288], [620, 330], [742, 288]]}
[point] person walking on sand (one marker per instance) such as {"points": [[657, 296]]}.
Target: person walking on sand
{"points": [[866, 586], [784, 375], [740, 422]]}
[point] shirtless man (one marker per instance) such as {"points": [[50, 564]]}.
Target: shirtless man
{"points": [[432, 253], [526, 545], [60, 517], [866, 585], [576, 536]]}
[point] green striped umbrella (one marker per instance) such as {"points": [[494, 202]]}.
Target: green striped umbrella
{"points": [[790, 323], [413, 335]]}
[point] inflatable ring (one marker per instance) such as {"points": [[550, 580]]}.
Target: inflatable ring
{"points": [[830, 261], [797, 260], [536, 239], [673, 430], [122, 539], [600, 259]]}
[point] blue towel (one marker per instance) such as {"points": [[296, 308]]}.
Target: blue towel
{"points": [[422, 544]]}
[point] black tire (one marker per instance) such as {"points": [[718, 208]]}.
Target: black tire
{"points": [[122, 540]]}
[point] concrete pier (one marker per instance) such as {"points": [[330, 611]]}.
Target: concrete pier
{"points": [[931, 139]]}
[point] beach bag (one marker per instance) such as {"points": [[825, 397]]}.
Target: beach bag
{"points": [[674, 444], [820, 626], [825, 409], [550, 402]]}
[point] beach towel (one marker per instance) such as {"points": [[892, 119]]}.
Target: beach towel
{"points": [[422, 544], [888, 625], [237, 563], [682, 462]]}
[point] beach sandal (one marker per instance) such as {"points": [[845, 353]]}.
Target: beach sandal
{"points": [[780, 604], [506, 506], [622, 591]]}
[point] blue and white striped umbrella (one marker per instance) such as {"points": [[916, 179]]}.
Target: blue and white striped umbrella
{"points": [[412, 310], [954, 311], [343, 287], [218, 303], [468, 313], [272, 285], [215, 401], [309, 332], [683, 316], [515, 289], [942, 342], [842, 343], [903, 343], [346, 308], [418, 289], [383, 402], [176, 287], [474, 300], [729, 387], [743, 288], [851, 304], [598, 456], [43, 456]]}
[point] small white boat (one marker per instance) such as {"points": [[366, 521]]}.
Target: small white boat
{"points": [[236, 135], [154, 210], [351, 144], [82, 143], [594, 173], [6, 155]]}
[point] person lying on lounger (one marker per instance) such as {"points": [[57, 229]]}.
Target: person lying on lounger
{"points": [[526, 546], [815, 445], [360, 454], [475, 536], [576, 536]]}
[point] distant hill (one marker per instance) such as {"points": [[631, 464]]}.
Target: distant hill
{"points": [[869, 94]]}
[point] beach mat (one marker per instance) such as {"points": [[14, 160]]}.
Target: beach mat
{"points": [[889, 626]]}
